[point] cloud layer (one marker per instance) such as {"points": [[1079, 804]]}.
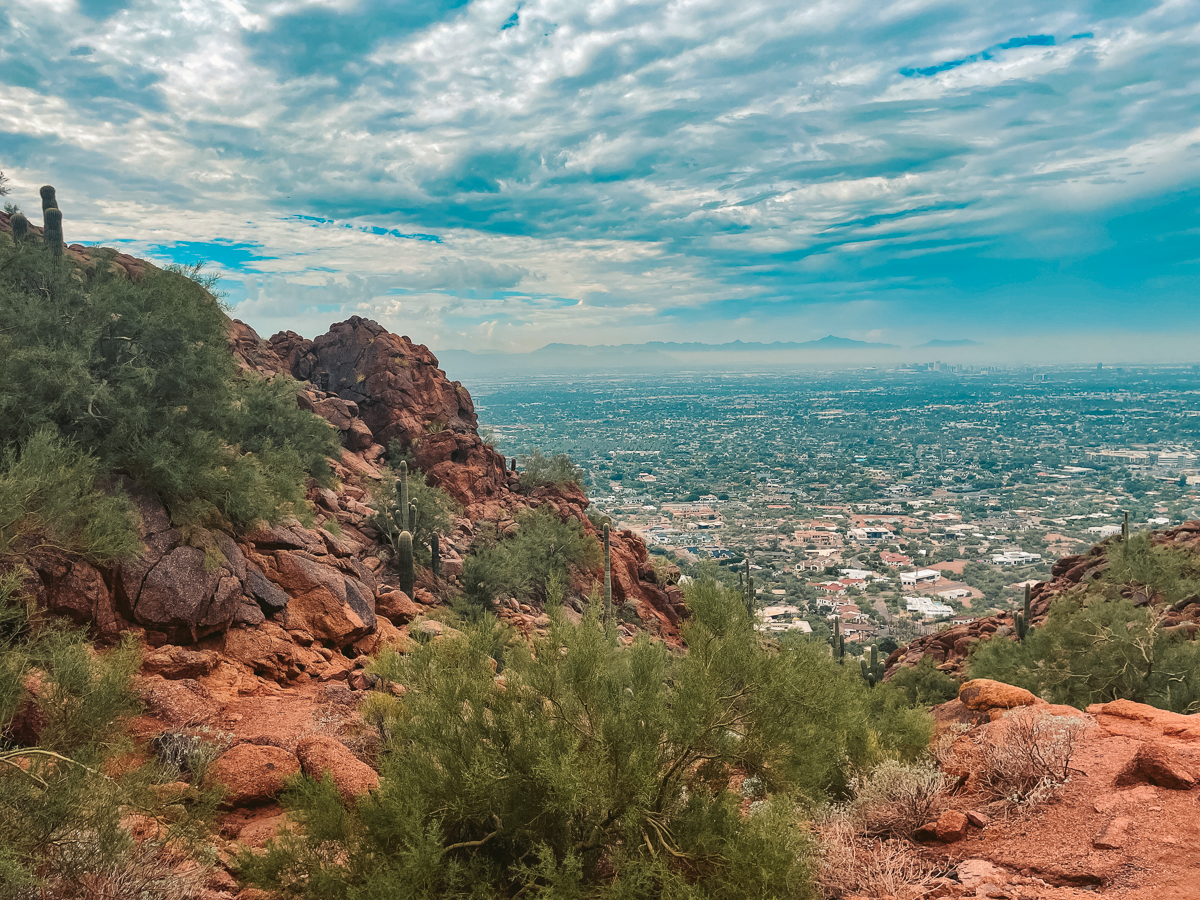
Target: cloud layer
{"points": [[504, 174]]}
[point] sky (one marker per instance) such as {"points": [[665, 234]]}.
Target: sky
{"points": [[498, 175]]}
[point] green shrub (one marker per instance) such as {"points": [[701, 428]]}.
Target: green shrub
{"points": [[522, 564], [589, 770], [60, 815], [49, 498], [923, 684], [538, 470], [139, 375], [1093, 650], [1171, 571]]}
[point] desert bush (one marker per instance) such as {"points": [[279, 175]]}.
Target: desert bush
{"points": [[853, 863], [139, 376], [895, 798], [1027, 755], [523, 563], [49, 498], [588, 769], [63, 709], [923, 684], [538, 470], [1092, 650], [1171, 571]]}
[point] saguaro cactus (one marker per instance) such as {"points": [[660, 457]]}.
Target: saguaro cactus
{"points": [[435, 555], [1125, 527], [872, 672], [20, 227], [838, 642], [1021, 620], [49, 200], [404, 563], [608, 604], [53, 232], [405, 525]]}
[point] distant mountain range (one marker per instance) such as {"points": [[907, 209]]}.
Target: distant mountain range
{"points": [[662, 356]]}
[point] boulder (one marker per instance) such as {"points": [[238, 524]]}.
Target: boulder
{"points": [[173, 662], [1160, 765], [985, 694], [253, 774], [183, 590], [951, 826], [324, 601], [179, 704], [269, 597], [320, 755], [396, 607]]}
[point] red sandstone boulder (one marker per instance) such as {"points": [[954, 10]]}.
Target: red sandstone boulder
{"points": [[1160, 765], [253, 774], [396, 606], [951, 826], [985, 694], [319, 755]]}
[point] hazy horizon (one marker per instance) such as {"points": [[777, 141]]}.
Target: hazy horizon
{"points": [[505, 174]]}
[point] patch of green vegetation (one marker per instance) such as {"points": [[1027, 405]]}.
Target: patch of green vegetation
{"points": [[113, 378], [523, 564], [1093, 650], [592, 769], [63, 712], [538, 470]]}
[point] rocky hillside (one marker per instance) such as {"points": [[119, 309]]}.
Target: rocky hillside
{"points": [[289, 604], [1069, 576]]}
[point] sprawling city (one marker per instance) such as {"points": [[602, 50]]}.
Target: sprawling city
{"points": [[895, 501]]}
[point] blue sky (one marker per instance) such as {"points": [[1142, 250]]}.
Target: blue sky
{"points": [[500, 174]]}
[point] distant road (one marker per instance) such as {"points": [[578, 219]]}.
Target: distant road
{"points": [[881, 608]]}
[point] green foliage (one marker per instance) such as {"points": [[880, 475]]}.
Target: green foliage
{"points": [[923, 684], [1171, 571], [49, 498], [139, 375], [592, 769], [522, 564], [538, 470], [60, 815], [1093, 650]]}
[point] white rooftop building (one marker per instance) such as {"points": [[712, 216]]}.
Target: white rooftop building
{"points": [[929, 609], [921, 576], [1017, 558]]}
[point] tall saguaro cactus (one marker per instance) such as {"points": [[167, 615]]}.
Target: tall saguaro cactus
{"points": [[404, 563], [838, 642], [49, 200], [1125, 527], [53, 231], [405, 524], [1021, 620], [872, 672], [20, 227], [435, 555], [608, 604]]}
